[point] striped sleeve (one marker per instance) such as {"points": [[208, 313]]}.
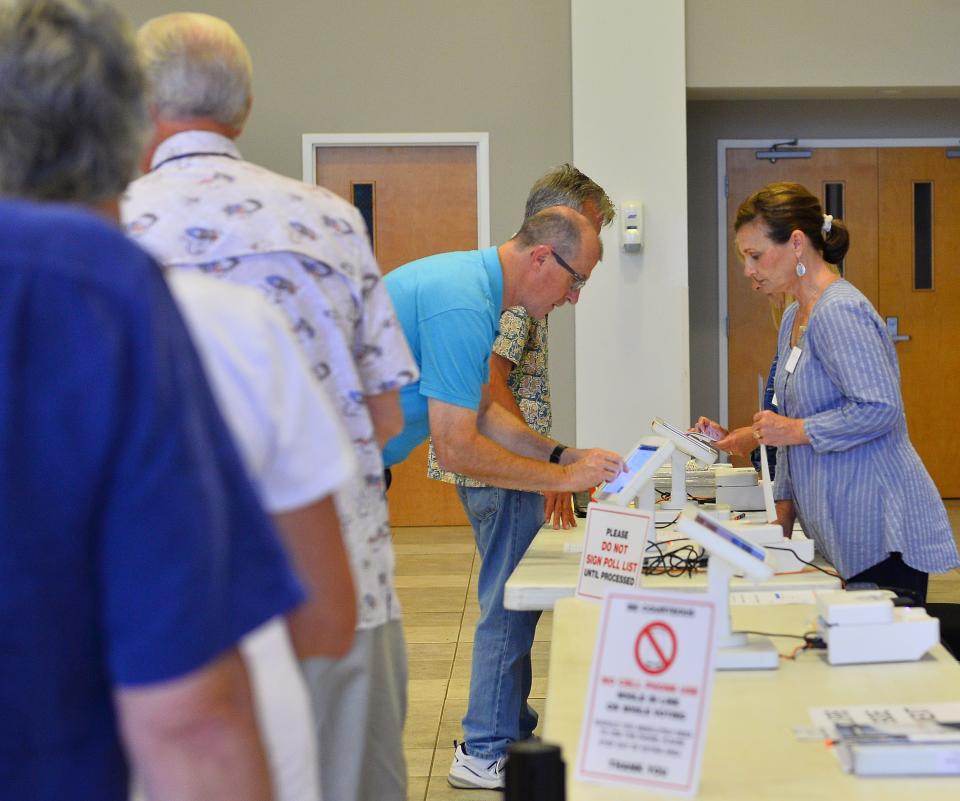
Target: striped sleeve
{"points": [[853, 349]]}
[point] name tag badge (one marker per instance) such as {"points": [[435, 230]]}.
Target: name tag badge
{"points": [[793, 359]]}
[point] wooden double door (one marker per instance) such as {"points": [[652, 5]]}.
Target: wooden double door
{"points": [[902, 206]]}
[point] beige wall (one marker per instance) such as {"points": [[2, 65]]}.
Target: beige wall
{"points": [[827, 46], [504, 66], [368, 66]]}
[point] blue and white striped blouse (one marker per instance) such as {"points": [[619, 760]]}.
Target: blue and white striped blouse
{"points": [[859, 487]]}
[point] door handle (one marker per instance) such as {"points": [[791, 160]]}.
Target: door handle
{"points": [[893, 327]]}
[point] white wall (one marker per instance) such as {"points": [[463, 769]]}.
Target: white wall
{"points": [[823, 46], [629, 134]]}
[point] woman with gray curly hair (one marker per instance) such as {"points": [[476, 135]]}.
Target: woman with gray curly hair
{"points": [[73, 118]]}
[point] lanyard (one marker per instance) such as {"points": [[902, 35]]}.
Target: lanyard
{"points": [[190, 155]]}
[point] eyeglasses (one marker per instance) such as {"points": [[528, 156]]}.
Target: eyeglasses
{"points": [[578, 280]]}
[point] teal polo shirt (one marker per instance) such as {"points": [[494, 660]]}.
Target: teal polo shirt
{"points": [[449, 308]]}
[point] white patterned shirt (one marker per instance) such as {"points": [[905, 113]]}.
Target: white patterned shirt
{"points": [[202, 207]]}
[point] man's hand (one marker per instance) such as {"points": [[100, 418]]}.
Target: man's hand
{"points": [[588, 468], [558, 509]]}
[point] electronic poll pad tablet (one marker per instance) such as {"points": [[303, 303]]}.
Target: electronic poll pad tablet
{"points": [[689, 445], [736, 650], [725, 544], [642, 462]]}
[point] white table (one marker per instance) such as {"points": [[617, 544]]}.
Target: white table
{"points": [[751, 750], [549, 572]]}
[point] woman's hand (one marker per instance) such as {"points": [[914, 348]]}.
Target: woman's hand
{"points": [[710, 428], [775, 429], [739, 442]]}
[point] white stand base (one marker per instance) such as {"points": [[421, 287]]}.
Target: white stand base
{"points": [[754, 653]]}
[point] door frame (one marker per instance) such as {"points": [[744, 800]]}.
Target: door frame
{"points": [[478, 140], [722, 223]]}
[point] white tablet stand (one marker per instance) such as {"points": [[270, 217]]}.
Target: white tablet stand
{"points": [[736, 650], [643, 461], [686, 448]]}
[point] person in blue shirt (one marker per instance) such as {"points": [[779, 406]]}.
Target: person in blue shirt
{"points": [[135, 554], [449, 307], [124, 585]]}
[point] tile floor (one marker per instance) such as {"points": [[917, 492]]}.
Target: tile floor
{"points": [[436, 579]]}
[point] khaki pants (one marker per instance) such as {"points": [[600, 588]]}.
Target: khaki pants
{"points": [[360, 703]]}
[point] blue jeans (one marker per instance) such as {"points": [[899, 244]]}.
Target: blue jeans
{"points": [[504, 524]]}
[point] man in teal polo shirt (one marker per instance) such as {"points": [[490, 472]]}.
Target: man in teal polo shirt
{"points": [[449, 306]]}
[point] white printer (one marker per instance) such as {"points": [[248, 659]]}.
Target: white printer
{"points": [[738, 488], [865, 626]]}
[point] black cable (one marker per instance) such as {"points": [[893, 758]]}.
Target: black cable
{"points": [[667, 525], [702, 498], [769, 634], [804, 561], [685, 559], [811, 641]]}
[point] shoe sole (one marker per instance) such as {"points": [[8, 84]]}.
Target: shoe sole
{"points": [[463, 784]]}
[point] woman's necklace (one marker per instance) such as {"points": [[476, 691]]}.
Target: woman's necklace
{"points": [[802, 320]]}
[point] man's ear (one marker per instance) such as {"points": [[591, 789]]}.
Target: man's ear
{"points": [[538, 257]]}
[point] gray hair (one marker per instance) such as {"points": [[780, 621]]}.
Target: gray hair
{"points": [[197, 67], [551, 227], [73, 121], [567, 186]]}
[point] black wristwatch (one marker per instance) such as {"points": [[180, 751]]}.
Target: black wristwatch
{"points": [[557, 453]]}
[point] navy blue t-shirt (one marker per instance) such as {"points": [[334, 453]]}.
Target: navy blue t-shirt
{"points": [[132, 546]]}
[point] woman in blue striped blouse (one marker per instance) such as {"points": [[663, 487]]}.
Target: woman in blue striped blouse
{"points": [[846, 467]]}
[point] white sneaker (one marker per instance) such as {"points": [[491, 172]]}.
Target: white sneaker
{"points": [[475, 773]]}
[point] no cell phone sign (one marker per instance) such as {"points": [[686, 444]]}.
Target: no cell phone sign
{"points": [[656, 648]]}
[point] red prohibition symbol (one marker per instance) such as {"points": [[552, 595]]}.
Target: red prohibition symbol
{"points": [[656, 648]]}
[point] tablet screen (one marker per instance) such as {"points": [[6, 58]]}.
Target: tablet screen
{"points": [[636, 460], [680, 433], [744, 545]]}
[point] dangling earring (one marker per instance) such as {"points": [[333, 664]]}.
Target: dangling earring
{"points": [[801, 269]]}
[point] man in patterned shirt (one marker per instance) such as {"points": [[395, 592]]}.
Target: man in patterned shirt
{"points": [[505, 521], [201, 207]]}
